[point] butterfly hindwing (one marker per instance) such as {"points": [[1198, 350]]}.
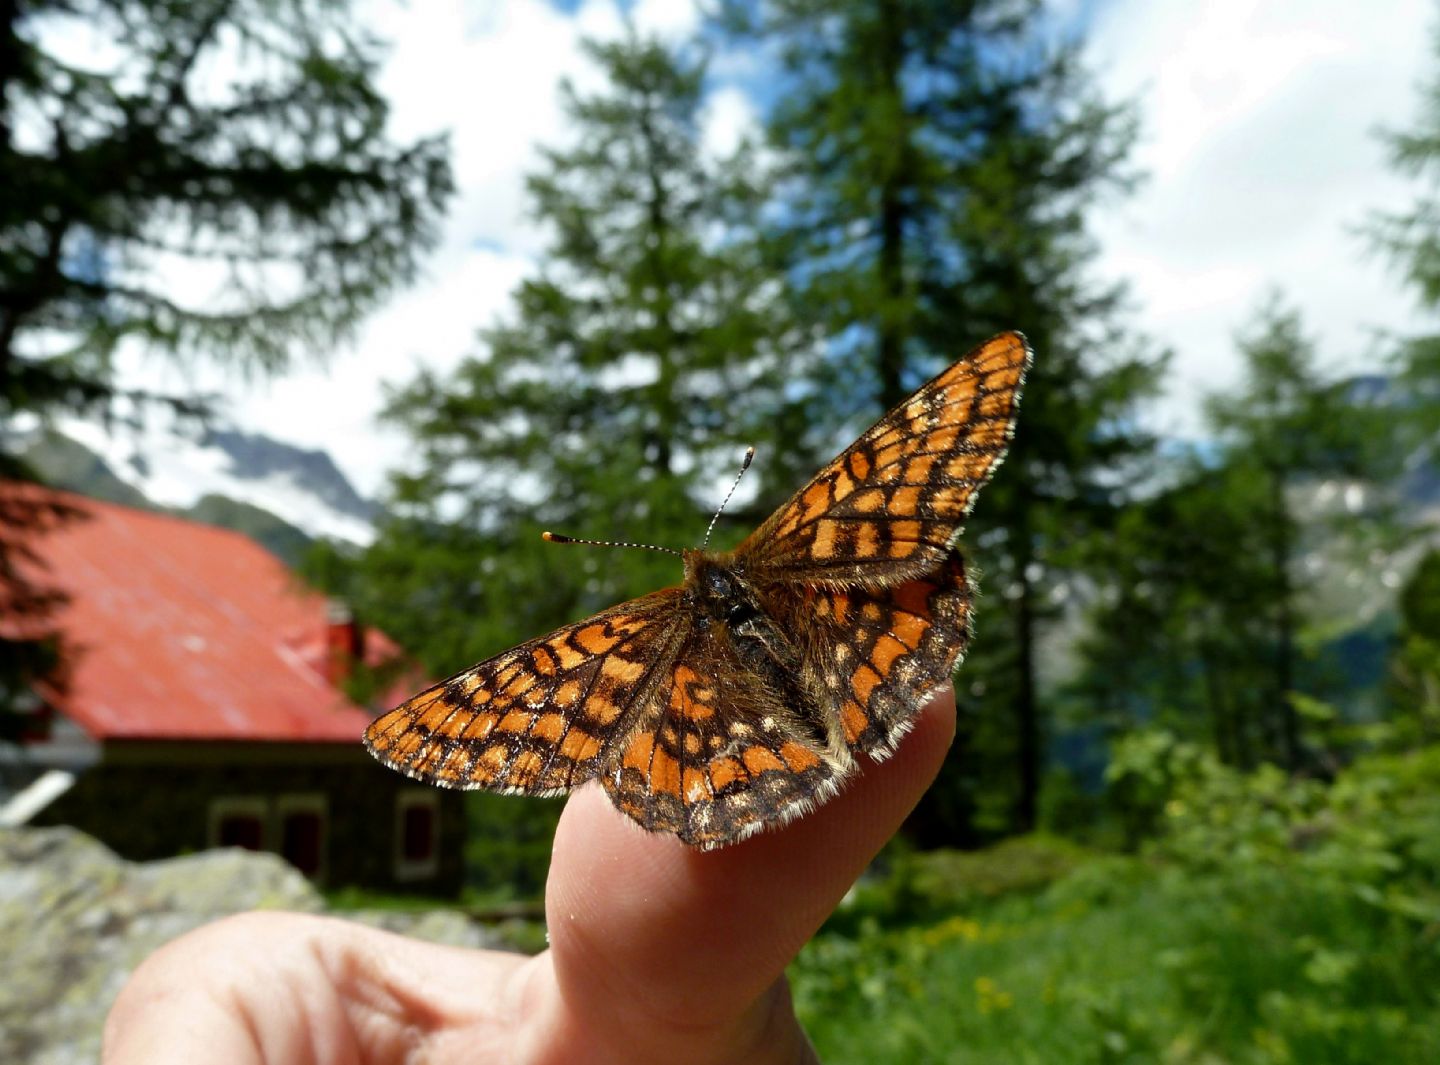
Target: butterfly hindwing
{"points": [[537, 719], [720, 752], [875, 657], [890, 506]]}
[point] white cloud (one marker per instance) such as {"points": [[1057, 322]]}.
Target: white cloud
{"points": [[727, 118], [1258, 134]]}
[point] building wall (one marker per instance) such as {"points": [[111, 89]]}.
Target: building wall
{"points": [[155, 800]]}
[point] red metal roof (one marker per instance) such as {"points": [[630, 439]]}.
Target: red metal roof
{"points": [[185, 631]]}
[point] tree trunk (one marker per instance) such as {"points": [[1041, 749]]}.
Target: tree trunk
{"points": [[1282, 546], [1027, 709]]}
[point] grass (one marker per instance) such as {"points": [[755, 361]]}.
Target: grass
{"points": [[1272, 922]]}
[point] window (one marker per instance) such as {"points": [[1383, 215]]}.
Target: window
{"points": [[302, 822], [294, 826], [238, 822], [417, 834]]}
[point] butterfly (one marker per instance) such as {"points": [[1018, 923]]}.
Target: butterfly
{"points": [[741, 698]]}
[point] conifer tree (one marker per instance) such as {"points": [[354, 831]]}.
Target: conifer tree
{"points": [[238, 141], [613, 402], [939, 161]]}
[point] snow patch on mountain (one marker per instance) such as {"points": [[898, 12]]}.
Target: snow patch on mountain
{"points": [[176, 467]]}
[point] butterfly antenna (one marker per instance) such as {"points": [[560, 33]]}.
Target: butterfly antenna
{"points": [[744, 465], [558, 538]]}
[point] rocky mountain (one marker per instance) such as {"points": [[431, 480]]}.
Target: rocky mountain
{"points": [[278, 494]]}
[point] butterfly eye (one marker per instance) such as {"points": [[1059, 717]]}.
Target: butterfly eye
{"points": [[740, 613]]}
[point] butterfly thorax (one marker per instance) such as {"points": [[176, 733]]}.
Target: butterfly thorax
{"points": [[717, 590]]}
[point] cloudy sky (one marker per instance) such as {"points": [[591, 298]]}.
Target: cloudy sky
{"points": [[1259, 120]]}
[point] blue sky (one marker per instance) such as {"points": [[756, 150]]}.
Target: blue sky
{"points": [[1258, 136]]}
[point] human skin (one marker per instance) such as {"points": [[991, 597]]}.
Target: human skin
{"points": [[658, 953]]}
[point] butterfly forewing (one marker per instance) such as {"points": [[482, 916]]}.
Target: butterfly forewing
{"points": [[540, 718], [890, 506]]}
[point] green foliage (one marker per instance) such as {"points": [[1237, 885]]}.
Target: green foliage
{"points": [[1208, 607], [1272, 920], [1415, 663]]}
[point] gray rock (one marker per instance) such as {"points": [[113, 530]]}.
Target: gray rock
{"points": [[75, 920]]}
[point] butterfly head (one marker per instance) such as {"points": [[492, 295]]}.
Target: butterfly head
{"points": [[716, 588]]}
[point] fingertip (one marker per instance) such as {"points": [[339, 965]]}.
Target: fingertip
{"points": [[706, 931]]}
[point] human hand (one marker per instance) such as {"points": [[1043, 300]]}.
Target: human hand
{"points": [[657, 953]]}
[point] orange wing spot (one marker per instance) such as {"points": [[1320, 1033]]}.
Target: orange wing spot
{"points": [[942, 439], [595, 640], [525, 769], [569, 657], [515, 721], [892, 435], [823, 545], [622, 670], [909, 629], [798, 758], [966, 467], [579, 745], [816, 499], [489, 765], [664, 773], [697, 785], [839, 606], [864, 682], [479, 726], [507, 673], [726, 771], [869, 501], [870, 611], [843, 483], [888, 456], [914, 597], [601, 709], [867, 541], [692, 743], [859, 465], [917, 470], [450, 769], [519, 686], [905, 500], [637, 755], [543, 661], [760, 759], [406, 743], [854, 721], [566, 694], [550, 727], [887, 649], [988, 434], [995, 404], [471, 683], [902, 548], [907, 531]]}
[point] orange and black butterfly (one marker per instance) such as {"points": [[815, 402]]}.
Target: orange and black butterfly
{"points": [[740, 698]]}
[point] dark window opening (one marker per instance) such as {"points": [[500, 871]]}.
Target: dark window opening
{"points": [[417, 839], [302, 835], [241, 830]]}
